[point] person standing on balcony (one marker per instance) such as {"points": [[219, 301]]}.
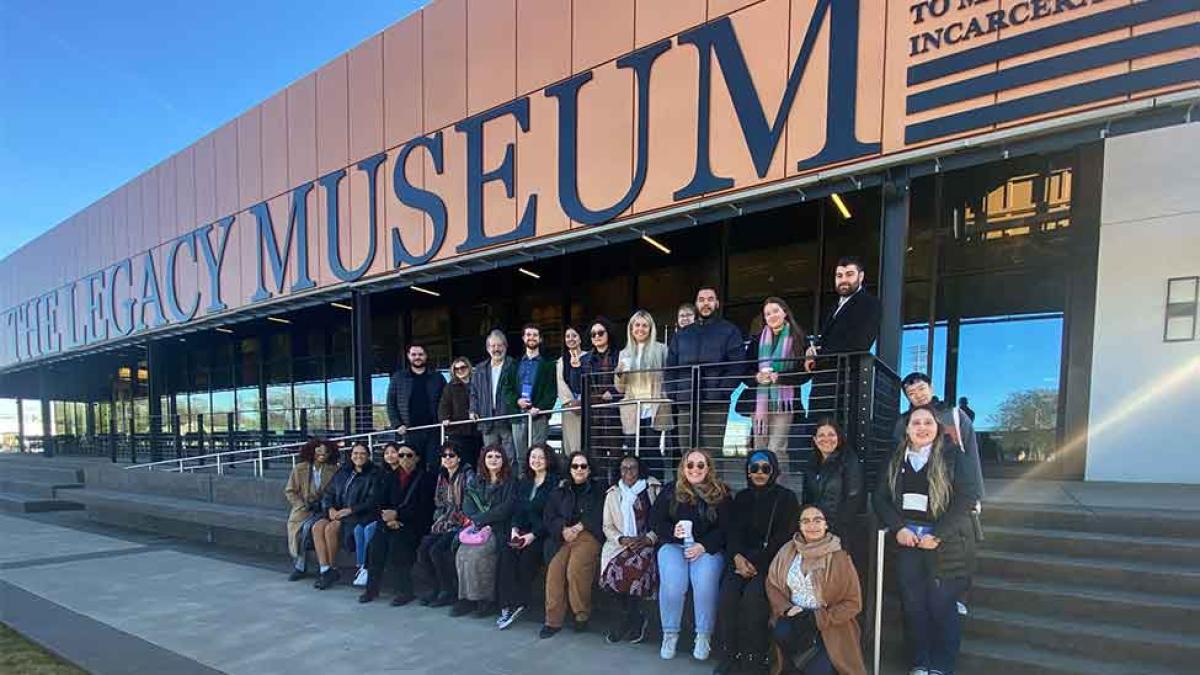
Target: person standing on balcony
{"points": [[602, 391], [455, 406], [685, 316], [315, 466], [405, 498], [639, 377], [570, 367], [715, 346], [850, 326], [778, 355], [492, 386], [412, 401], [925, 496], [835, 483], [535, 392]]}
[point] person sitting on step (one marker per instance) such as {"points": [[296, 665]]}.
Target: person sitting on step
{"points": [[435, 555], [349, 506], [315, 466], [628, 564], [405, 498]]}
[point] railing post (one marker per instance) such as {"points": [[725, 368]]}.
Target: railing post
{"points": [[177, 437], [259, 464], [880, 540], [694, 415], [200, 434], [442, 433], [347, 419], [585, 418], [220, 470], [132, 442], [112, 435], [637, 432], [304, 423], [528, 433], [230, 431]]}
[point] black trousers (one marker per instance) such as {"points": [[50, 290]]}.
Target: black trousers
{"points": [[435, 563], [396, 549], [744, 612], [427, 443], [516, 570]]}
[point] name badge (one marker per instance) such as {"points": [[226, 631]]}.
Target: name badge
{"points": [[915, 502]]}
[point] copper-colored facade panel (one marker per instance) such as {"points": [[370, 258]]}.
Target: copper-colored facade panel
{"points": [[365, 72], [671, 159], [605, 157], [118, 228], [408, 222], [601, 31], [762, 31], [444, 55], [249, 158], [499, 210], [403, 93], [491, 53], [206, 180], [333, 118], [658, 19], [1187, 19], [895, 88], [275, 144], [301, 133], [318, 240], [718, 8], [537, 166], [245, 237], [358, 196], [225, 143], [150, 214], [167, 190], [451, 186], [543, 43], [185, 190], [133, 216]]}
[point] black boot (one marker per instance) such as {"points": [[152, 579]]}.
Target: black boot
{"points": [[729, 663]]}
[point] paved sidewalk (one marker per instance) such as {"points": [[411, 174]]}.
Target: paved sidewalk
{"points": [[138, 604]]}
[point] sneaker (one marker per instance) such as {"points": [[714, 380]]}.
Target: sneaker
{"points": [[580, 626], [918, 671], [508, 616], [669, 643], [296, 575], [462, 608], [962, 609], [702, 648], [360, 579], [548, 632]]}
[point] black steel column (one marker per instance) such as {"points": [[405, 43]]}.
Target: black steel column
{"points": [[47, 418], [893, 243], [361, 358], [20, 424], [154, 388]]}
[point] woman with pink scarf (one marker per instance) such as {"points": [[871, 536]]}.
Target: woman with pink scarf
{"points": [[779, 351]]}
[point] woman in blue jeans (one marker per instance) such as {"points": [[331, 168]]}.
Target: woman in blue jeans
{"points": [[925, 498], [350, 513], [690, 517]]}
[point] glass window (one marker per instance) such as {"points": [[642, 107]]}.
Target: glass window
{"points": [[431, 328], [379, 387], [248, 401], [310, 397], [280, 411], [914, 355]]}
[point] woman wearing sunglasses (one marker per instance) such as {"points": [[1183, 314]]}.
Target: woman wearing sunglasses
{"points": [[570, 369], [405, 497], [599, 371], [574, 527], [455, 406], [764, 517], [435, 556], [690, 518]]}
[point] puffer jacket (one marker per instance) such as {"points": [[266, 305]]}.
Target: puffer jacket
{"points": [[354, 490], [836, 486]]}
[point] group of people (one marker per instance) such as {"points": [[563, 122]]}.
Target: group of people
{"points": [[641, 396], [470, 522]]}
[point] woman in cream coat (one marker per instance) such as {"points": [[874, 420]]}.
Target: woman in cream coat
{"points": [[639, 376], [318, 461]]}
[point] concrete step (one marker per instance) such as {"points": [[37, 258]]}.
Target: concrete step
{"points": [[19, 503], [1141, 523], [1064, 601], [980, 656], [1103, 642], [1164, 550], [1107, 574], [34, 488], [40, 471]]}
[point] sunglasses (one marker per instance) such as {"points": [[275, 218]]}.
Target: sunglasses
{"points": [[760, 467], [409, 455], [598, 333], [697, 465], [449, 455], [461, 368], [579, 467]]}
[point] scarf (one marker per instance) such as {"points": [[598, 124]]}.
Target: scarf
{"points": [[814, 555], [629, 497], [778, 397]]}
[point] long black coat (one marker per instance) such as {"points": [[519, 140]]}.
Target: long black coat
{"points": [[413, 503], [853, 329], [560, 512], [836, 486]]}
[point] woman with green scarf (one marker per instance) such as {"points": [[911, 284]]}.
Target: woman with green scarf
{"points": [[779, 352]]}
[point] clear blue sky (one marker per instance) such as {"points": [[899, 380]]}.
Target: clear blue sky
{"points": [[94, 93]]}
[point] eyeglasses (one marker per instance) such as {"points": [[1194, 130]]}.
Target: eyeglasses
{"points": [[461, 367], [761, 467], [818, 520], [598, 333], [697, 465], [579, 467], [449, 455], [409, 455]]}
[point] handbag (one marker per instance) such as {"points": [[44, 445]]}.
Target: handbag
{"points": [[807, 641], [471, 536]]}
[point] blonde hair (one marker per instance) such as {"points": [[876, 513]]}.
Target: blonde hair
{"points": [[940, 483], [464, 360], [711, 491]]}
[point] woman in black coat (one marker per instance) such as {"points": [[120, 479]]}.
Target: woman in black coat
{"points": [[405, 497], [521, 556], [835, 483], [455, 406], [574, 520], [350, 512]]}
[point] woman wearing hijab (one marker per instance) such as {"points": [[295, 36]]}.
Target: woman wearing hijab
{"points": [[763, 519], [628, 568], [815, 602]]}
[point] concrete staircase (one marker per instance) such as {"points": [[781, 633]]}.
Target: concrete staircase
{"points": [[1071, 590], [29, 484]]}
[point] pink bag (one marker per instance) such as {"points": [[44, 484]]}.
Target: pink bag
{"points": [[475, 537]]}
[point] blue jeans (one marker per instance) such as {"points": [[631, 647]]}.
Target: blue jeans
{"points": [[362, 536], [305, 537], [674, 572], [932, 626]]}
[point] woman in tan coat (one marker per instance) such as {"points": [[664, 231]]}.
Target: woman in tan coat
{"points": [[316, 466], [639, 376], [814, 593]]}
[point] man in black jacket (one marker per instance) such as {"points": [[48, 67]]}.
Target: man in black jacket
{"points": [[412, 401], [709, 341], [851, 326], [405, 499]]}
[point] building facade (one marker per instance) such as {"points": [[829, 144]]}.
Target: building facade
{"points": [[1017, 175]]}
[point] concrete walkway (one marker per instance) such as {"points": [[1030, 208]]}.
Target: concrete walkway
{"points": [[128, 603]]}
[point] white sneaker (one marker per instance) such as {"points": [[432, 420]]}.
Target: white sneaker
{"points": [[918, 671], [670, 641], [702, 648], [962, 609], [360, 579]]}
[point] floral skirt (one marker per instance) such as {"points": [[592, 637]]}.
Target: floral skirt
{"points": [[632, 573]]}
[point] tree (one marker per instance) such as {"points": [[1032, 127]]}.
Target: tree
{"points": [[1028, 410]]}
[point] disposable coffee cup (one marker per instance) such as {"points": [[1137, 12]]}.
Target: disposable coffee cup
{"points": [[687, 531]]}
